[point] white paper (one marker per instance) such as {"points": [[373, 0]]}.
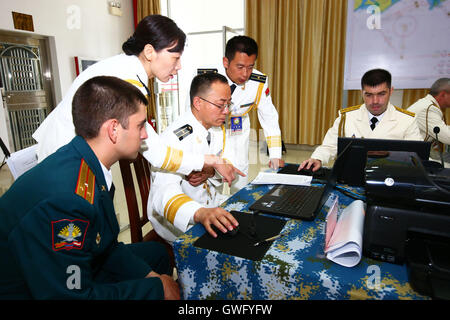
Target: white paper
{"points": [[280, 178], [22, 161], [345, 245]]}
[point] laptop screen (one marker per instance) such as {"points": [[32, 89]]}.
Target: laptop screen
{"points": [[355, 157]]}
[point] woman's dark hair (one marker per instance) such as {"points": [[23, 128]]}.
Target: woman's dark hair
{"points": [[159, 31], [100, 99]]}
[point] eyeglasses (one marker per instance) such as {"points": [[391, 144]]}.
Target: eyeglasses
{"points": [[221, 107]]}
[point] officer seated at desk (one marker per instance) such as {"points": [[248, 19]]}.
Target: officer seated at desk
{"points": [[175, 204], [376, 118], [430, 118]]}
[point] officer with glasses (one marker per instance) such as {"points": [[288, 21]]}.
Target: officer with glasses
{"points": [[177, 202]]}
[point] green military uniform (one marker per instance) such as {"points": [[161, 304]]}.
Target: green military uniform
{"points": [[58, 236]]}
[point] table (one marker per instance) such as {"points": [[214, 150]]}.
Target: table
{"points": [[293, 268]]}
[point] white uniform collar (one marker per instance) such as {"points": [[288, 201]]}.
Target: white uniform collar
{"points": [[197, 126], [221, 69], [379, 117], [141, 70], [432, 99], [108, 175]]}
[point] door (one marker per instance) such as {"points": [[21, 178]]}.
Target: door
{"points": [[27, 93]]}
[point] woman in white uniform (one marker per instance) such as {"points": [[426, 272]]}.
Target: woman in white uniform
{"points": [[154, 50]]}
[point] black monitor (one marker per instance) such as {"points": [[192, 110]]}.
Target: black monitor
{"points": [[355, 157]]}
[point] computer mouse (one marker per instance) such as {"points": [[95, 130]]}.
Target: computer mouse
{"points": [[229, 233], [232, 233], [306, 172]]}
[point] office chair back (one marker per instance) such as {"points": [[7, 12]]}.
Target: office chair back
{"points": [[138, 218], [143, 177]]}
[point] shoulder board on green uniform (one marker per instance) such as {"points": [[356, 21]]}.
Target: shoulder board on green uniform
{"points": [[258, 77], [350, 109], [203, 70], [183, 132], [86, 183], [409, 113]]}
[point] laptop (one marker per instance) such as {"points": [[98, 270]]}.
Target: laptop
{"points": [[299, 202]]}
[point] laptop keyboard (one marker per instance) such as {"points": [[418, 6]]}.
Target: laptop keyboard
{"points": [[298, 199]]}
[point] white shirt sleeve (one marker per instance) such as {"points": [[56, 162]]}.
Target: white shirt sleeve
{"points": [[268, 118]]}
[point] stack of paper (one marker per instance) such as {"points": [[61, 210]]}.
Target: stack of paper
{"points": [[22, 161], [280, 178], [343, 236]]}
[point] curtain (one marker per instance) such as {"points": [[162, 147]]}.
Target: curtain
{"points": [[354, 98], [143, 8], [302, 50], [412, 95]]}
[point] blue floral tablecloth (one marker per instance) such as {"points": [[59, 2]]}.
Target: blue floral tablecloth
{"points": [[294, 267]]}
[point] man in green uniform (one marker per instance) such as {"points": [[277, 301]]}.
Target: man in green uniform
{"points": [[58, 236]]}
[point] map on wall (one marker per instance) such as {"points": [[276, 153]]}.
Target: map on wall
{"points": [[409, 38]]}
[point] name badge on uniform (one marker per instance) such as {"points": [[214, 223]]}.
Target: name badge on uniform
{"points": [[236, 125]]}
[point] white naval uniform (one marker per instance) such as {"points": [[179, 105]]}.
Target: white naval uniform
{"points": [[354, 121], [58, 129], [173, 201], [254, 94], [428, 116]]}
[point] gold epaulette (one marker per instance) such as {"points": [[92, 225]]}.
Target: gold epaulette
{"points": [[86, 183], [341, 129], [409, 113], [350, 109]]}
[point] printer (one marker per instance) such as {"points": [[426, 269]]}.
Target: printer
{"points": [[408, 218]]}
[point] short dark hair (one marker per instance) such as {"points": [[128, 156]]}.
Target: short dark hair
{"points": [[100, 99], [202, 83], [375, 77], [442, 84], [240, 44], [159, 31]]}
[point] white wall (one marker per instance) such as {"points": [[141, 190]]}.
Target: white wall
{"points": [[202, 51], [76, 28], [95, 34]]}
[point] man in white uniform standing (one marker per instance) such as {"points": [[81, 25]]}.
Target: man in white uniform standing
{"points": [[377, 118], [249, 90], [430, 115], [175, 204]]}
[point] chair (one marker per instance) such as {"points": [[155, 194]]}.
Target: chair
{"points": [[137, 220]]}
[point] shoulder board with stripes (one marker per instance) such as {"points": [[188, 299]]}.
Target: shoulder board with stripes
{"points": [[85, 187], [202, 71], [258, 77], [183, 132], [409, 113], [350, 108]]}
